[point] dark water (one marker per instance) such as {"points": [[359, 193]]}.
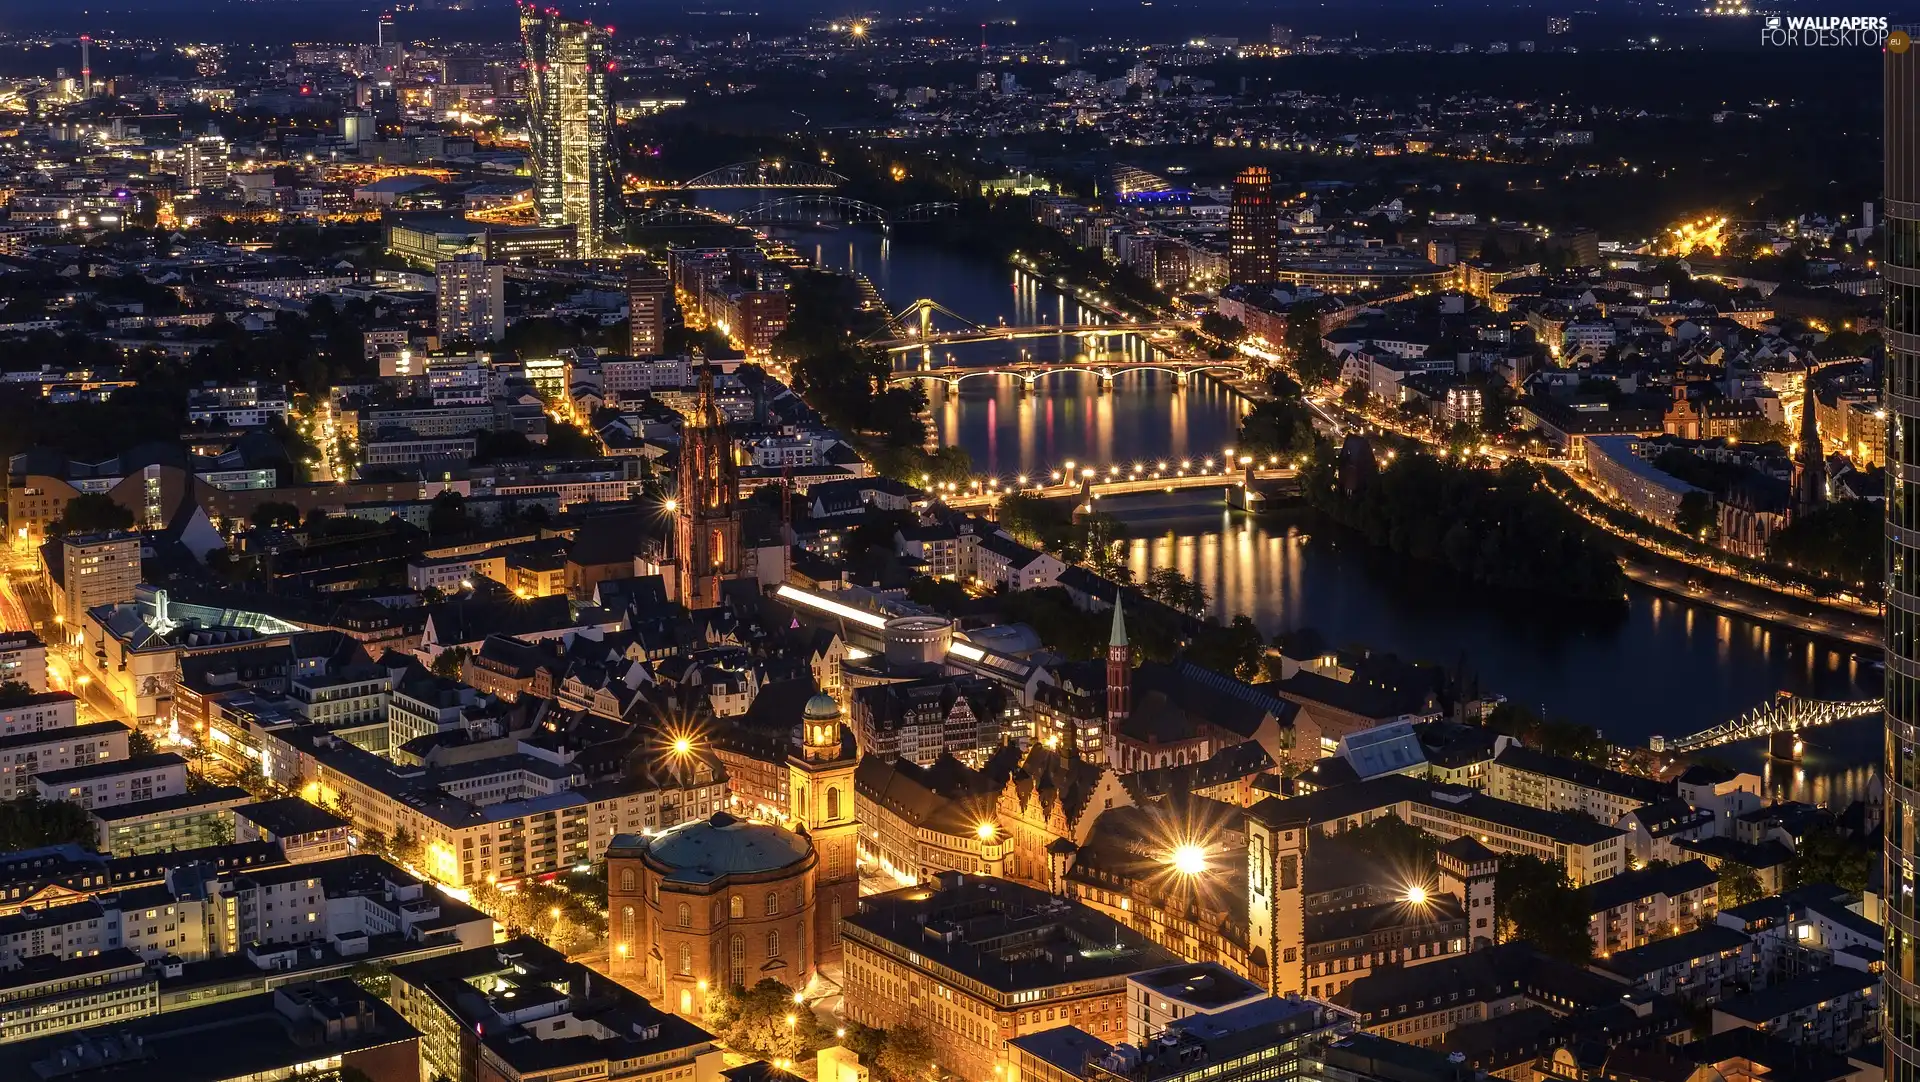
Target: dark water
{"points": [[1660, 666]]}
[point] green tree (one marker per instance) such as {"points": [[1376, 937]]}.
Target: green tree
{"points": [[139, 743], [907, 1055], [1225, 328], [92, 512], [1761, 430], [373, 977], [1175, 590], [1695, 516], [15, 693], [1278, 426], [1237, 649], [28, 823], [1534, 901], [1312, 361], [1498, 528], [448, 515], [1824, 855], [449, 662], [405, 848], [765, 1021], [1738, 884], [1843, 540], [1355, 395]]}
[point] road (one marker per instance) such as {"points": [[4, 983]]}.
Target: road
{"points": [[1857, 629]]}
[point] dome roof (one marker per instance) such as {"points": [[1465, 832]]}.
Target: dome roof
{"points": [[822, 707], [721, 845]]}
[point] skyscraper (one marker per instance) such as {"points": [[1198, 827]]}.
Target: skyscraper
{"points": [[570, 123], [1900, 277], [707, 517], [472, 300], [648, 293], [1255, 225]]}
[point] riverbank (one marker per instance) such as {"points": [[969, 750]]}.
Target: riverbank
{"points": [[1687, 582]]}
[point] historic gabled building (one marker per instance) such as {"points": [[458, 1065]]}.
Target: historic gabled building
{"points": [[1048, 807]]}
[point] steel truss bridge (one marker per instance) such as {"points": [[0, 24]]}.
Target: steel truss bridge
{"points": [[799, 210], [1785, 714], [1030, 373]]}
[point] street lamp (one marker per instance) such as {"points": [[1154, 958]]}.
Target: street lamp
{"points": [[1189, 859], [1416, 895]]}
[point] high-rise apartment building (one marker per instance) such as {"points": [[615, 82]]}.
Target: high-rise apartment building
{"points": [[96, 569], [203, 163], [1254, 221], [570, 124], [1900, 280], [472, 305], [648, 294]]}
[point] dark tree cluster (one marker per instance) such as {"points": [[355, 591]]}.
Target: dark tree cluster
{"points": [[1496, 528]]}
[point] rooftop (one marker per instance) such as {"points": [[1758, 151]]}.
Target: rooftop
{"points": [[254, 1035], [722, 845], [1008, 936]]}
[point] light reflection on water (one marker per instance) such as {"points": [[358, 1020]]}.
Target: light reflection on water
{"points": [[1662, 665]]}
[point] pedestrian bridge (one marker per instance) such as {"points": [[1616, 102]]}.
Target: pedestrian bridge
{"points": [[966, 336], [1030, 373], [1142, 482], [1788, 713]]}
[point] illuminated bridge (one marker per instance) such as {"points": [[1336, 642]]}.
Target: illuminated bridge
{"points": [[1030, 373], [755, 175], [1140, 480], [798, 210], [909, 343], [1785, 714]]}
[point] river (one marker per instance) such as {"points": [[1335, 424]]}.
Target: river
{"points": [[1660, 666]]}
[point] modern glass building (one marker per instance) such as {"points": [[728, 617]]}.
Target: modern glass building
{"points": [[570, 122], [1900, 270]]}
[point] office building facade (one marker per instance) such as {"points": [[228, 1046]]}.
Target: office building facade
{"points": [[1900, 271], [570, 124]]}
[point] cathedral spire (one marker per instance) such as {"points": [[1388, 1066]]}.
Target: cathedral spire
{"points": [[1809, 460]]}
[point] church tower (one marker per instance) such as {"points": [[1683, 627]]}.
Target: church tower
{"points": [[707, 513], [1119, 684], [820, 787], [1810, 459]]}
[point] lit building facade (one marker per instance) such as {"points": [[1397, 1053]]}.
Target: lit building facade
{"points": [[1254, 222], [570, 124], [707, 522], [711, 905], [472, 302], [1900, 270], [649, 292]]}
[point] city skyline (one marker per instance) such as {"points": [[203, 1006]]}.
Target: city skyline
{"points": [[1191, 542]]}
